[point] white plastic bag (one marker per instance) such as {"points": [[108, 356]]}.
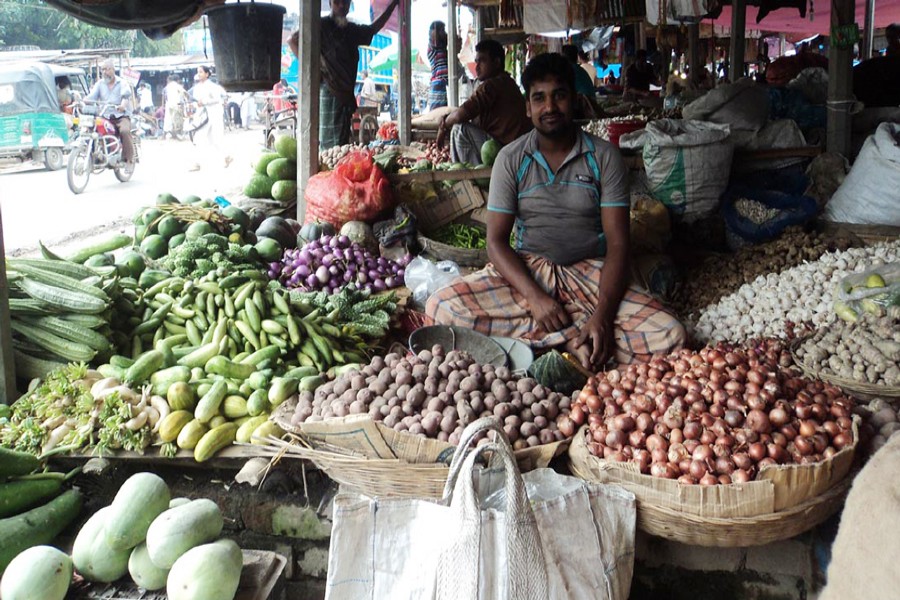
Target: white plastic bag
{"points": [[554, 538], [870, 194], [424, 277]]}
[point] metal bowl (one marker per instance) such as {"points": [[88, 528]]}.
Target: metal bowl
{"points": [[483, 349]]}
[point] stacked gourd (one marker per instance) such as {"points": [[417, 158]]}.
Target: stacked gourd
{"points": [[160, 542], [275, 173]]}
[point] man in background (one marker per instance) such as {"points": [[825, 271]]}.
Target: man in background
{"points": [[639, 75], [340, 59], [496, 110], [116, 94], [368, 95]]}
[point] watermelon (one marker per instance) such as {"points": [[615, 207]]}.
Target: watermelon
{"points": [[259, 186], [263, 161], [286, 146], [282, 168], [284, 191]]}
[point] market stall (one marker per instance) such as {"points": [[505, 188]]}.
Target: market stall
{"points": [[219, 332]]}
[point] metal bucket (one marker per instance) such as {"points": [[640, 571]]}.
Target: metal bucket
{"points": [[246, 41]]}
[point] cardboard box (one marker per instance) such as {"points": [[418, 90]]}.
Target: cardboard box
{"points": [[448, 205]]}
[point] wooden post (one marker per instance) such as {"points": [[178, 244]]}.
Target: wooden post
{"points": [[452, 60], [694, 62], [840, 83], [738, 40], [865, 48], [479, 24], [405, 109], [7, 366], [308, 118]]}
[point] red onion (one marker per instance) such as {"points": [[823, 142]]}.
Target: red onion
{"points": [[758, 421]]}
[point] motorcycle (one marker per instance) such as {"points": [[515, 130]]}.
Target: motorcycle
{"points": [[98, 148]]}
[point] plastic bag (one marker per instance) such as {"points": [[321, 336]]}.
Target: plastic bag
{"points": [[424, 277], [401, 230], [873, 291], [356, 190], [787, 209]]}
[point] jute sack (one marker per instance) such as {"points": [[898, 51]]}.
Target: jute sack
{"points": [[864, 555]]}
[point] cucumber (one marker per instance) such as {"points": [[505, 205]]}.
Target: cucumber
{"points": [[219, 365], [147, 364], [17, 496], [37, 526], [14, 463], [210, 402], [113, 243], [282, 388], [257, 403]]}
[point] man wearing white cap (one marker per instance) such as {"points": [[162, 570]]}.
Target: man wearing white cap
{"points": [[115, 92]]}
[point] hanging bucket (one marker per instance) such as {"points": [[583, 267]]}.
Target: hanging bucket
{"points": [[246, 40]]}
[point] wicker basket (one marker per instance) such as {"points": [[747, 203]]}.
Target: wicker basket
{"points": [[377, 478], [741, 532], [464, 257], [732, 516], [865, 391]]}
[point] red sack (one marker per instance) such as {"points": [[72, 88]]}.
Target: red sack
{"points": [[356, 190]]}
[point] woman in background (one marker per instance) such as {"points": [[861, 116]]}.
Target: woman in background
{"points": [[437, 56]]}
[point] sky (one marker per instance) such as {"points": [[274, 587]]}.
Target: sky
{"points": [[424, 12]]}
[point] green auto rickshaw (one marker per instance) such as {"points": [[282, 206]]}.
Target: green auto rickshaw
{"points": [[33, 126]]}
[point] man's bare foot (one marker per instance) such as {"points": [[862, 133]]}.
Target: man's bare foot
{"points": [[582, 353]]}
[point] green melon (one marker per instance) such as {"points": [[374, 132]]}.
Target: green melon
{"points": [[176, 240], [133, 262], [237, 216], [198, 229], [259, 186], [269, 250], [155, 246], [282, 168], [489, 151], [263, 162], [192, 199], [169, 226], [166, 198], [285, 191], [150, 216], [99, 260], [286, 146]]}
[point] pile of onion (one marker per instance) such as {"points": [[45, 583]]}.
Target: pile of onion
{"points": [[717, 416]]}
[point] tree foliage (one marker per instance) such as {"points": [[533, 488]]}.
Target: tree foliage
{"points": [[34, 23]]}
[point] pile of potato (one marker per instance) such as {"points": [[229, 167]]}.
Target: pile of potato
{"points": [[435, 394], [883, 419], [329, 158]]}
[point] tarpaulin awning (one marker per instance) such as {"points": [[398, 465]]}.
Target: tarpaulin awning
{"points": [[817, 20]]}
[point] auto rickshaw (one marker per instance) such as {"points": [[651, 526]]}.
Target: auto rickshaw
{"points": [[32, 124]]}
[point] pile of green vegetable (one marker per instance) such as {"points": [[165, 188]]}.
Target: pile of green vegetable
{"points": [[275, 173], [62, 311], [34, 509], [197, 257], [159, 541], [460, 236], [61, 414]]}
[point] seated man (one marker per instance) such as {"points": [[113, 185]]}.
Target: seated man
{"points": [[496, 109], [566, 280]]}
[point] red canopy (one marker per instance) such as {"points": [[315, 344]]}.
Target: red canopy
{"points": [[788, 20]]}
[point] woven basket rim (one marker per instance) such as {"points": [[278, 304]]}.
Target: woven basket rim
{"points": [[463, 256], [850, 385]]}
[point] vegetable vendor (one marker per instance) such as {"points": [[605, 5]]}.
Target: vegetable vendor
{"points": [[495, 111], [566, 280]]}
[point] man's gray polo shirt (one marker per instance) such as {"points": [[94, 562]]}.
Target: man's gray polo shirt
{"points": [[558, 215]]}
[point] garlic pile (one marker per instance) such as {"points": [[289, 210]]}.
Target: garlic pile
{"points": [[600, 127], [802, 294], [755, 211]]}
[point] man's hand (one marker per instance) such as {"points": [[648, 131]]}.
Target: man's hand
{"points": [[442, 133], [549, 314], [598, 333]]}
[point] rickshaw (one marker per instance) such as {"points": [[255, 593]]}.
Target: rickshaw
{"points": [[32, 124]]}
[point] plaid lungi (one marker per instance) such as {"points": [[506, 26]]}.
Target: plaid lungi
{"points": [[485, 302], [334, 120]]}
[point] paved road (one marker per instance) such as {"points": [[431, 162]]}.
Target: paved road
{"points": [[38, 205]]}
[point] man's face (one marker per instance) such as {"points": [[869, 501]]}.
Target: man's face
{"points": [[340, 8], [485, 66], [108, 72], [550, 106]]}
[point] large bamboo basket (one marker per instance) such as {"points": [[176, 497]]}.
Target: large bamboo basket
{"points": [[784, 500]]}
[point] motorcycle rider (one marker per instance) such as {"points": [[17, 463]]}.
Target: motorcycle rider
{"points": [[116, 92]]}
